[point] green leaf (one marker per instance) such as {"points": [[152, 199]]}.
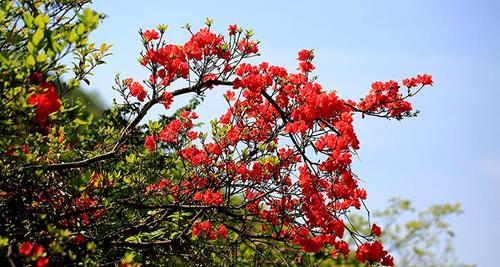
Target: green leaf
{"points": [[41, 20], [30, 60], [80, 121], [209, 22], [162, 27], [89, 18], [81, 29], [28, 19], [78, 183], [130, 158], [4, 241], [73, 36], [129, 257], [38, 36], [41, 57], [31, 48]]}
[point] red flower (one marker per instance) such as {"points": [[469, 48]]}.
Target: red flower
{"points": [[211, 235], [204, 43], [222, 231], [37, 250], [25, 248], [385, 96], [195, 156], [306, 66], [78, 239], [209, 197], [198, 196], [42, 262], [149, 35], [232, 29], [203, 227], [376, 230], [150, 143], [172, 60], [305, 55], [45, 102], [25, 149], [374, 252], [229, 95], [213, 148], [192, 135], [210, 77], [151, 187], [171, 132], [137, 90], [166, 99], [342, 247], [425, 79], [410, 82], [248, 47]]}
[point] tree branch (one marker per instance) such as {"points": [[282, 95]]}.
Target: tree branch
{"points": [[121, 141]]}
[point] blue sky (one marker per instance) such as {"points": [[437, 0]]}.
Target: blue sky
{"points": [[450, 153]]}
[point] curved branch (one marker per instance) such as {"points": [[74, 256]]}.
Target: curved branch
{"points": [[121, 141]]}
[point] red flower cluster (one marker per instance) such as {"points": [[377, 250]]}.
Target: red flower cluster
{"points": [[136, 89], [421, 80], [203, 227], [195, 156], [305, 58], [222, 231], [160, 185], [172, 61], [209, 197], [34, 250], [170, 133], [266, 105], [45, 101], [376, 230], [84, 203], [206, 228], [385, 97], [150, 143], [150, 35], [205, 43], [248, 47], [373, 253]]}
